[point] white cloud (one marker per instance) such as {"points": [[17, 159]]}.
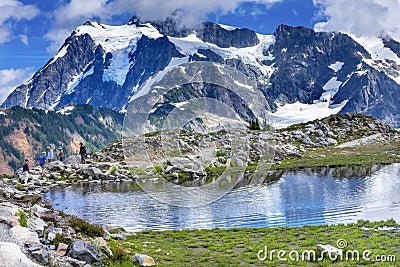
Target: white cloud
{"points": [[12, 11], [11, 78], [369, 18], [24, 39], [75, 12]]}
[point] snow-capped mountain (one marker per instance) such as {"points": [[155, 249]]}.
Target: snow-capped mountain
{"points": [[302, 74]]}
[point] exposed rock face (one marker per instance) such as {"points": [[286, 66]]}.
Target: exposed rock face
{"points": [[239, 38], [302, 57], [51, 81], [371, 94]]}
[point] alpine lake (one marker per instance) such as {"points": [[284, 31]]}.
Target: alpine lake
{"points": [[310, 196]]}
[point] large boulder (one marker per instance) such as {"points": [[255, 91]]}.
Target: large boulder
{"points": [[93, 172], [56, 166], [31, 198], [73, 159], [84, 252], [12, 256]]}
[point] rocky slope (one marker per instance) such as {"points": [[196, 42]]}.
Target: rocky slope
{"points": [[33, 234], [109, 66]]}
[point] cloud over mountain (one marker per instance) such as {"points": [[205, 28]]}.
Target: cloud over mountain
{"points": [[369, 18], [12, 11]]}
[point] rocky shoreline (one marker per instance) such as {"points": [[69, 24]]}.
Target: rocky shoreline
{"points": [[32, 233]]}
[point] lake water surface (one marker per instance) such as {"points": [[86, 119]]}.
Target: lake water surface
{"points": [[307, 197]]}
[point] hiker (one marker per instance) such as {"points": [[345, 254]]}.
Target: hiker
{"points": [[82, 152], [42, 161], [60, 153], [25, 171], [50, 154]]}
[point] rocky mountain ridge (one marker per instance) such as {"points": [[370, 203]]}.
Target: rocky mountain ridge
{"points": [[109, 66]]}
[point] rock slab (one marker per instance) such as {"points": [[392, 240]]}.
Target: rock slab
{"points": [[84, 252]]}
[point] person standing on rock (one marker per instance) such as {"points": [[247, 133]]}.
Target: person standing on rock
{"points": [[60, 153], [25, 167], [50, 154], [42, 161], [82, 152], [25, 171]]}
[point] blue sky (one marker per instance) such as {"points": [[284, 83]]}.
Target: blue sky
{"points": [[32, 31]]}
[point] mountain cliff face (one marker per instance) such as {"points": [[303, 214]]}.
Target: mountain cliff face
{"points": [[107, 66]]}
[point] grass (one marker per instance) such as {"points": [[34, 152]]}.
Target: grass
{"points": [[357, 155], [240, 246]]}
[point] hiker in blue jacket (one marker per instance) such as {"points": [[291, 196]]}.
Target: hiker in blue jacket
{"points": [[42, 161]]}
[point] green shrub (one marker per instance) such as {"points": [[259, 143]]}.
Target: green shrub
{"points": [[23, 221], [84, 227], [158, 169], [61, 239], [254, 125]]}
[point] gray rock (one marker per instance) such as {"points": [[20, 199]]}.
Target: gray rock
{"points": [[52, 232], [73, 159], [307, 140], [10, 220], [56, 166], [39, 253], [32, 198], [118, 237], [84, 252], [93, 172], [37, 225]]}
